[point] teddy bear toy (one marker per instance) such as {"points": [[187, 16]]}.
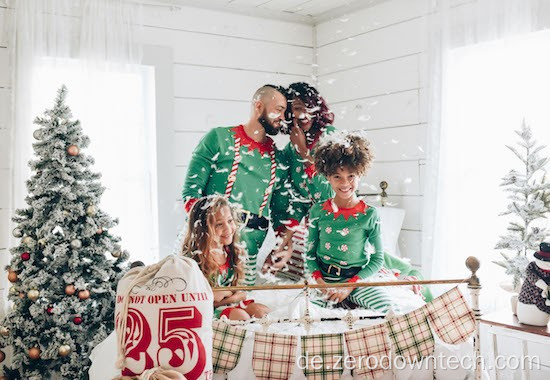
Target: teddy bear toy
{"points": [[534, 297]]}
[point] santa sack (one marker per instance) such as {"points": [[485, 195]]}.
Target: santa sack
{"points": [[163, 319]]}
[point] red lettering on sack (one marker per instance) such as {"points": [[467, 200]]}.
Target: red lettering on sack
{"points": [[137, 340], [180, 347]]}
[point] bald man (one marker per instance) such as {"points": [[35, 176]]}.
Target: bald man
{"points": [[242, 163]]}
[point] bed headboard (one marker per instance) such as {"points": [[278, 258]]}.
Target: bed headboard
{"points": [[383, 195]]}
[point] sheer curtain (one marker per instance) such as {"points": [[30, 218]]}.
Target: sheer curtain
{"points": [[92, 46], [486, 73]]}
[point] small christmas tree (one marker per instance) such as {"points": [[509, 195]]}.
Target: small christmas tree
{"points": [[64, 284], [530, 201]]}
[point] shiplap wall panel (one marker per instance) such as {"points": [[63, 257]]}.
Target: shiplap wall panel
{"points": [[400, 40], [186, 142], [376, 79], [398, 144], [369, 19], [403, 178], [239, 53], [4, 14], [229, 24], [223, 84], [5, 141], [394, 110], [206, 113]]}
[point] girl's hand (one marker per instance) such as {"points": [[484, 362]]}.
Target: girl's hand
{"points": [[238, 296], [417, 289], [339, 294]]}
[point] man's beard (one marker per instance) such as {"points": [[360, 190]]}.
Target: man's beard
{"points": [[268, 127]]}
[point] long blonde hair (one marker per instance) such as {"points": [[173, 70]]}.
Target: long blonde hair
{"points": [[200, 238]]}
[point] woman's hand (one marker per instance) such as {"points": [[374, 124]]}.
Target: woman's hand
{"points": [[220, 295]]}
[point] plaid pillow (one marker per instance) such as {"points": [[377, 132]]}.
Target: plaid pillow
{"points": [[330, 348], [411, 335], [371, 349], [226, 346], [451, 317], [273, 356]]}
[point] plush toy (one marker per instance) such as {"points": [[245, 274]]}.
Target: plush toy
{"points": [[534, 297]]}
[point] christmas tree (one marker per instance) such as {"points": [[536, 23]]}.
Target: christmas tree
{"points": [[530, 201], [62, 274]]}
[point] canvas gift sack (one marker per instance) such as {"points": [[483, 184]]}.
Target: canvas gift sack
{"points": [[163, 320]]}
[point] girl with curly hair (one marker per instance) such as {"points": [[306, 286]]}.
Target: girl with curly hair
{"points": [[212, 240], [344, 242]]}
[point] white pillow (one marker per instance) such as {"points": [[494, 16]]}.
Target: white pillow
{"points": [[391, 220]]}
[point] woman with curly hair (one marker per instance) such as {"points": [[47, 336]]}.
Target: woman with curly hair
{"points": [[309, 119], [212, 240]]}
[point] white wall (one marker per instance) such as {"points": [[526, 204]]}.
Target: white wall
{"points": [[5, 106], [217, 61], [371, 66]]}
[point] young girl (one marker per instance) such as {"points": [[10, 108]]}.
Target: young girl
{"points": [[212, 240], [342, 228]]}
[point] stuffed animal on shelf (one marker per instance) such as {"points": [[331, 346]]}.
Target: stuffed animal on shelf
{"points": [[534, 297]]}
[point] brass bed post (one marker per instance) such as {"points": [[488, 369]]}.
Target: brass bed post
{"points": [[475, 286]]}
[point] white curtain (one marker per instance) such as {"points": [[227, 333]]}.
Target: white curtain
{"points": [[486, 73], [92, 47]]}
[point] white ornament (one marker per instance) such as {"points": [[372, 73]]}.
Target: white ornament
{"points": [[76, 244], [58, 230], [17, 233]]}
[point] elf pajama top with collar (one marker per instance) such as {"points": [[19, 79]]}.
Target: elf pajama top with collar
{"points": [[341, 236], [212, 162], [308, 186]]}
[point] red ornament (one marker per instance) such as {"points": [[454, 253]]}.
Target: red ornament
{"points": [[49, 310], [77, 320], [25, 256]]}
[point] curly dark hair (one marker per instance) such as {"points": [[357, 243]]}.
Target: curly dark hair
{"points": [[343, 150], [322, 115]]}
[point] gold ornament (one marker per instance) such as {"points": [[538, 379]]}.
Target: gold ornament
{"points": [[33, 294], [13, 289], [73, 150], [91, 210], [116, 253], [84, 294], [34, 353], [4, 331], [42, 242], [28, 241], [17, 232], [12, 276], [70, 290], [64, 350], [66, 213], [2, 356]]}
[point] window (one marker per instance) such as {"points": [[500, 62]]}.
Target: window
{"points": [[116, 107], [491, 88]]}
